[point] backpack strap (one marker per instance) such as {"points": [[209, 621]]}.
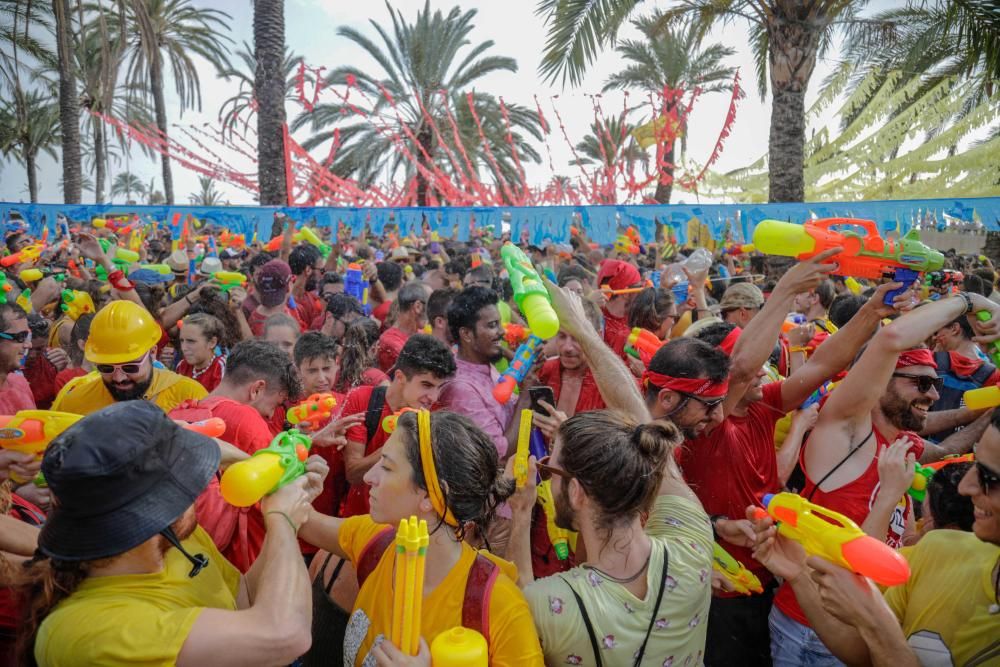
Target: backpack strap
{"points": [[478, 591], [374, 413], [983, 373], [372, 553], [943, 361]]}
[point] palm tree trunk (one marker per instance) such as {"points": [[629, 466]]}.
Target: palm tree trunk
{"points": [[424, 138], [792, 58], [269, 84], [69, 107], [663, 190], [160, 108], [100, 164], [29, 165]]}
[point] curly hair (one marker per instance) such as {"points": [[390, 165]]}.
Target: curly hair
{"points": [[210, 301], [360, 338]]}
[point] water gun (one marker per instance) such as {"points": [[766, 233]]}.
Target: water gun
{"points": [[993, 349], [524, 357], [792, 321], [459, 647], [626, 246], [31, 431], [5, 287], [76, 303], [312, 411], [229, 279], [643, 344], [530, 294], [742, 579], [24, 300], [818, 395], [921, 478], [982, 398], [836, 538], [408, 589], [162, 269], [523, 449], [864, 256], [123, 257], [213, 427], [515, 334], [283, 461], [389, 423], [944, 278], [356, 286], [230, 240], [27, 254], [738, 249], [34, 275], [118, 225], [853, 286], [559, 537], [309, 236]]}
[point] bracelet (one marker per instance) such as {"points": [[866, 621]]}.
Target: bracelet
{"points": [[287, 518], [798, 348], [968, 302]]}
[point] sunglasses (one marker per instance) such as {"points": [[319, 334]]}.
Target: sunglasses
{"points": [[19, 337], [923, 382], [545, 471], [988, 479], [130, 368], [709, 403]]}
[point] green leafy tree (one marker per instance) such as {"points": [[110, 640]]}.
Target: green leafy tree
{"points": [[207, 195], [126, 183], [29, 127]]}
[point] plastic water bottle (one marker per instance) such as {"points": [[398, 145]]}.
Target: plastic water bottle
{"points": [[700, 260]]}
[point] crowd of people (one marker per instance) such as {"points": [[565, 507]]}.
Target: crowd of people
{"points": [[753, 377]]}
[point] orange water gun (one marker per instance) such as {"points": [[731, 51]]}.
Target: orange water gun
{"points": [[515, 334], [836, 538], [643, 344], [230, 240], [27, 254], [31, 431], [313, 411]]}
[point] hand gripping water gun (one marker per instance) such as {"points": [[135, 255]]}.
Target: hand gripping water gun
{"points": [[559, 537], [283, 461], [524, 357], [229, 279], [515, 334], [356, 286], [31, 431], [643, 344], [742, 579], [532, 298], [459, 647], [313, 411], [119, 225], [818, 395], [76, 303], [836, 538], [27, 254], [408, 591], [523, 451], [864, 256]]}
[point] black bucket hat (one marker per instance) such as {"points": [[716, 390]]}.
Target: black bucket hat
{"points": [[120, 476]]}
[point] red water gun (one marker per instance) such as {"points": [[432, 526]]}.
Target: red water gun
{"points": [[643, 344]]}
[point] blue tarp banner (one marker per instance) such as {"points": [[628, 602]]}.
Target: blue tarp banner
{"points": [[535, 225]]}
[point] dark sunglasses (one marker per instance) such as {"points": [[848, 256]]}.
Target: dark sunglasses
{"points": [[18, 337], [709, 403], [130, 368], [545, 471], [923, 382], [988, 479]]}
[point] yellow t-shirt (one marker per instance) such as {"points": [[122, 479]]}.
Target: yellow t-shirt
{"points": [[87, 393], [512, 640], [140, 618], [619, 618], [944, 607]]}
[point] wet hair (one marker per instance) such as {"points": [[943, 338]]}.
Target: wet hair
{"points": [[467, 465], [210, 301], [210, 326], [425, 354], [649, 308], [80, 333], [409, 294], [688, 358], [331, 278], [312, 345], [256, 262], [390, 274], [437, 304], [714, 334], [463, 311], [341, 304], [302, 257], [359, 353], [253, 360], [618, 461], [948, 507], [844, 307]]}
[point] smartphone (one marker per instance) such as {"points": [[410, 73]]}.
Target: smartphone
{"points": [[541, 393]]}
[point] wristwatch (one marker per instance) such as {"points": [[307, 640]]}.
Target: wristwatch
{"points": [[715, 518]]}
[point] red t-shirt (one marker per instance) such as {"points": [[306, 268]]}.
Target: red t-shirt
{"points": [[590, 397], [15, 394], [41, 377], [381, 311], [256, 320], [616, 332], [389, 345], [356, 501], [308, 306], [853, 500], [65, 375], [238, 532], [735, 465], [210, 377]]}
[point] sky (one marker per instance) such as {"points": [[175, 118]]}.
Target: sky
{"points": [[311, 27]]}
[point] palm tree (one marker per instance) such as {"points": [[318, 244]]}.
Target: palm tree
{"points": [[27, 128], [787, 35], [241, 107], [611, 147], [154, 196], [422, 80], [207, 195], [171, 31], [69, 105], [270, 90], [125, 184], [670, 57]]}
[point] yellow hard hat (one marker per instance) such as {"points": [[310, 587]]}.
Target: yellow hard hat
{"points": [[122, 331]]}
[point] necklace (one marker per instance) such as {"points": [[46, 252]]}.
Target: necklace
{"points": [[617, 580]]}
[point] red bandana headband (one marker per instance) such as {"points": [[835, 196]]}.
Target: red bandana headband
{"points": [[695, 386], [918, 357], [729, 342]]}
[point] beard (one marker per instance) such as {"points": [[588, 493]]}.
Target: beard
{"points": [[136, 392], [899, 411], [565, 517]]}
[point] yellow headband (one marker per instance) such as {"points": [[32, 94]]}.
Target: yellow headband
{"points": [[430, 470]]}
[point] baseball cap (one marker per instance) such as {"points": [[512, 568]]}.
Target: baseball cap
{"points": [[618, 274], [741, 295], [272, 282], [120, 476]]}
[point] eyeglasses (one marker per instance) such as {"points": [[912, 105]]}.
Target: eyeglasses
{"points": [[987, 478], [19, 337], [923, 382], [545, 471], [709, 404], [130, 368]]}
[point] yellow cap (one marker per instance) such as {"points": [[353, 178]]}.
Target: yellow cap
{"points": [[122, 331]]}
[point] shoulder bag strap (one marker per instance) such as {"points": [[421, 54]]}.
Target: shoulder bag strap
{"points": [[656, 607], [590, 628], [375, 404]]}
